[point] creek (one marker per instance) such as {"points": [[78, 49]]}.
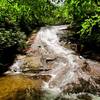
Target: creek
{"points": [[51, 72]]}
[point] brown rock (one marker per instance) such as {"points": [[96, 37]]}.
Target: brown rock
{"points": [[18, 87]]}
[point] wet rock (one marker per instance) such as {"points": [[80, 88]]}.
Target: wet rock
{"points": [[18, 87], [31, 62], [84, 97], [69, 71], [95, 68], [45, 78], [26, 63]]}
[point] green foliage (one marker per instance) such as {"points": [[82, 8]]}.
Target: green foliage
{"points": [[80, 8], [10, 39], [41, 12], [86, 15], [26, 15], [90, 31], [34, 12], [89, 24], [13, 14], [11, 42]]}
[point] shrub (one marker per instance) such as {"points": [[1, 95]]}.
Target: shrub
{"points": [[85, 15], [28, 14], [9, 39], [14, 12], [10, 44]]}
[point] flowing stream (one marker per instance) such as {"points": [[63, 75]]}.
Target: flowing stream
{"points": [[66, 69], [66, 66]]}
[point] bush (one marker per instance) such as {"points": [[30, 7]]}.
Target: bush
{"points": [[10, 44], [85, 15], [9, 39], [12, 13], [28, 14]]}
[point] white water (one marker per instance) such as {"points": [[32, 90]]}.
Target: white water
{"points": [[16, 67], [66, 67]]}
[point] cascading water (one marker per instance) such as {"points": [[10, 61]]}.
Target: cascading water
{"points": [[61, 70], [16, 67], [66, 67]]}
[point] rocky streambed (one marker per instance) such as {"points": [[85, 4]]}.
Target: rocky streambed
{"points": [[50, 71]]}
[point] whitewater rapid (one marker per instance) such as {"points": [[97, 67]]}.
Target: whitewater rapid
{"points": [[67, 66], [62, 68]]}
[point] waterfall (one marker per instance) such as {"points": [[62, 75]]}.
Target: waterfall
{"points": [[66, 67]]}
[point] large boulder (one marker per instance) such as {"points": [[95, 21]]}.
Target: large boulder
{"points": [[19, 87]]}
